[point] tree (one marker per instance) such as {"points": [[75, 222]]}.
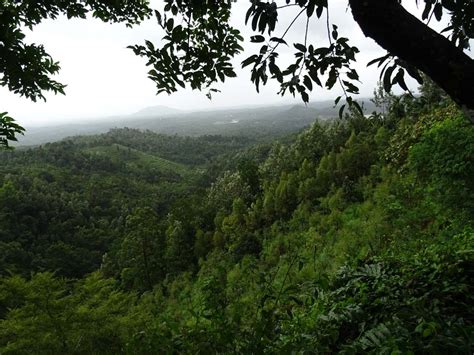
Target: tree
{"points": [[199, 44], [179, 253], [382, 100], [141, 256], [26, 69], [8, 129], [50, 315], [198, 50]]}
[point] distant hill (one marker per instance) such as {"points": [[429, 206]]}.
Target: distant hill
{"points": [[263, 122], [158, 110], [135, 160]]}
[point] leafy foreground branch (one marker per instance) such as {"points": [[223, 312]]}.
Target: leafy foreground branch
{"points": [[9, 129]]}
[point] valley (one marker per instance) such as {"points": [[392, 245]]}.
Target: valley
{"points": [[336, 235]]}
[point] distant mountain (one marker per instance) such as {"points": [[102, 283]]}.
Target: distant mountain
{"points": [[262, 121], [158, 110]]}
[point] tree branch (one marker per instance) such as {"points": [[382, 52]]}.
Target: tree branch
{"points": [[403, 35]]}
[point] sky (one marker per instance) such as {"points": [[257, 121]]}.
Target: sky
{"points": [[104, 78]]}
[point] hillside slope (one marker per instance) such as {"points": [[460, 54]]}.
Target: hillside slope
{"points": [[355, 237]]}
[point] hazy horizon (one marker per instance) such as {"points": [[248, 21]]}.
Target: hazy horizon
{"points": [[105, 79], [179, 112]]}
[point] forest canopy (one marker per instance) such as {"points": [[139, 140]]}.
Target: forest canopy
{"points": [[353, 236]]}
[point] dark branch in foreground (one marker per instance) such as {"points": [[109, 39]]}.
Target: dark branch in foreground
{"points": [[403, 35]]}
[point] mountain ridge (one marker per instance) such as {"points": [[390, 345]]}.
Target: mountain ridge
{"points": [[167, 120]]}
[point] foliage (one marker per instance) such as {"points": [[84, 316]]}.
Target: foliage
{"points": [[200, 43], [141, 256], [356, 236], [444, 159], [52, 315], [8, 130], [206, 33], [63, 205], [392, 304], [27, 69], [198, 51]]}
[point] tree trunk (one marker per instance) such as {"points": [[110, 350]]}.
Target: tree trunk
{"points": [[406, 37]]}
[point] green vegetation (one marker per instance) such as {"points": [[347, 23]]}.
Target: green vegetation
{"points": [[63, 204], [354, 236]]}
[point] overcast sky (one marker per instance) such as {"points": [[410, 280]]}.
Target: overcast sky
{"points": [[104, 78]]}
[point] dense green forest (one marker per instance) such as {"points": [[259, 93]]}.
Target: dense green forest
{"points": [[353, 236]]}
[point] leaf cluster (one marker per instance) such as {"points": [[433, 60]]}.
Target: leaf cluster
{"points": [[197, 48]]}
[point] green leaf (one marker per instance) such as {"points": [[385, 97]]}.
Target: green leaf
{"points": [[279, 40], [412, 71], [438, 11], [387, 78], [256, 16], [334, 32], [357, 106], [341, 110], [310, 8], [449, 4], [427, 10], [170, 24], [319, 11], [300, 47], [305, 96], [249, 60], [249, 13], [427, 332], [351, 87], [230, 73], [399, 78], [381, 60], [308, 83], [257, 39], [331, 78], [314, 75], [159, 18], [275, 70], [353, 75]]}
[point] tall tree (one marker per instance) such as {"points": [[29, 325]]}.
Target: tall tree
{"points": [[141, 256]]}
